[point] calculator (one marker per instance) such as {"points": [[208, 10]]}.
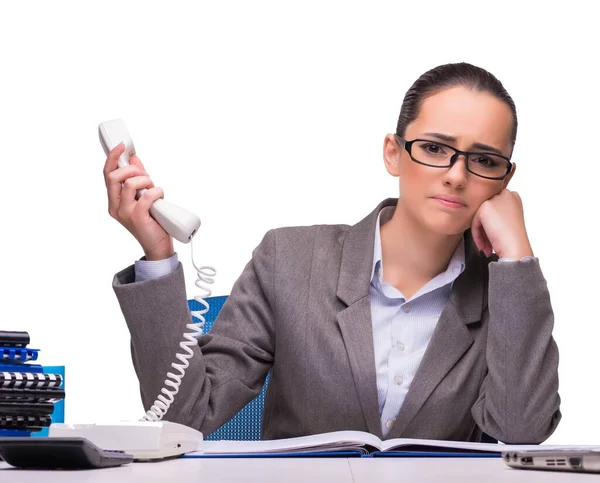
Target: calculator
{"points": [[59, 453]]}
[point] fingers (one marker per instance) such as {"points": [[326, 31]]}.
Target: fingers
{"points": [[476, 229], [128, 211], [148, 197], [135, 161], [120, 175], [112, 159], [136, 214], [480, 236], [114, 180], [488, 249], [131, 186], [499, 226]]}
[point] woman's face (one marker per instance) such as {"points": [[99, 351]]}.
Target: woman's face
{"points": [[464, 119]]}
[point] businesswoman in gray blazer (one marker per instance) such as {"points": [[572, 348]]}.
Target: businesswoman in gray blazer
{"points": [[430, 318]]}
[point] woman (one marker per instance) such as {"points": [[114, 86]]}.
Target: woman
{"points": [[430, 318]]}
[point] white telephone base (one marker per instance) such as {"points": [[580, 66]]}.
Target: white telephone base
{"points": [[145, 440]]}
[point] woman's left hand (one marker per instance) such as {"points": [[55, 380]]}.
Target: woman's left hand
{"points": [[499, 225]]}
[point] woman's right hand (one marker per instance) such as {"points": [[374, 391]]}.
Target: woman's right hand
{"points": [[121, 186]]}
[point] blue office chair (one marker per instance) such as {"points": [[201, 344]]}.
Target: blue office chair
{"points": [[245, 425]]}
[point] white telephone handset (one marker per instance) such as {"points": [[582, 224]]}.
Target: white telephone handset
{"points": [[177, 222], [151, 438]]}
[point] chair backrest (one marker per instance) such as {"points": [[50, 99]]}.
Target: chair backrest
{"points": [[245, 425]]}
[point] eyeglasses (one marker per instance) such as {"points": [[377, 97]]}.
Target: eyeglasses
{"points": [[439, 155]]}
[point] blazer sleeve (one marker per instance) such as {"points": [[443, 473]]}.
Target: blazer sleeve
{"points": [[230, 363], [518, 401]]}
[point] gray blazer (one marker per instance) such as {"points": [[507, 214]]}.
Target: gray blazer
{"points": [[301, 310]]}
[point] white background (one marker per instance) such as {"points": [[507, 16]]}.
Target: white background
{"points": [[264, 114]]}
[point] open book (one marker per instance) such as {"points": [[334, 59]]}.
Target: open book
{"points": [[357, 443]]}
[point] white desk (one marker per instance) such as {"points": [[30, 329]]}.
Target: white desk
{"points": [[311, 470], [187, 470], [452, 470]]}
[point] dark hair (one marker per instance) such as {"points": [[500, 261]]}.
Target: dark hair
{"points": [[451, 75]]}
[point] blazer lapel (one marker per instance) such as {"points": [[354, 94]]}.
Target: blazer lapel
{"points": [[450, 339], [355, 325], [355, 320]]}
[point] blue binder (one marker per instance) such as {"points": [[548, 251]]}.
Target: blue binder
{"points": [[21, 368]]}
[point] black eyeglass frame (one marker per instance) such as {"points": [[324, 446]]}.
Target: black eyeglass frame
{"points": [[408, 146]]}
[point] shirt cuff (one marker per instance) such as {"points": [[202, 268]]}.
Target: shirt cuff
{"points": [[149, 269], [508, 260]]}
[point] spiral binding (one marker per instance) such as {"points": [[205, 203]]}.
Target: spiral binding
{"points": [[17, 355], [164, 400]]}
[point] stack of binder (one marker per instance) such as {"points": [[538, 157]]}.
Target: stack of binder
{"points": [[27, 394]]}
